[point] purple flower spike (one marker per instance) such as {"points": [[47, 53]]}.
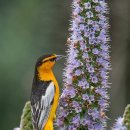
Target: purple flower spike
{"points": [[84, 100], [119, 125]]}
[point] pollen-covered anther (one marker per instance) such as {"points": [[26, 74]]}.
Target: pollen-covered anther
{"points": [[102, 114], [74, 78], [75, 45], [87, 49], [79, 90], [68, 102], [68, 41], [92, 88], [89, 105]]}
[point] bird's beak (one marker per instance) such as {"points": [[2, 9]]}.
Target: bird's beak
{"points": [[58, 57]]}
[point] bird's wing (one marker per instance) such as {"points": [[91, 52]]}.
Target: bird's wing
{"points": [[41, 108]]}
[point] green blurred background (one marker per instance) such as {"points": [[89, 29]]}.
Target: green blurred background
{"points": [[30, 28]]}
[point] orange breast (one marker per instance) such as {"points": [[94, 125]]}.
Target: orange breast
{"points": [[47, 76]]}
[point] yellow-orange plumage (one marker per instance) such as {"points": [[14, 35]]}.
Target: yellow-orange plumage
{"points": [[45, 74]]}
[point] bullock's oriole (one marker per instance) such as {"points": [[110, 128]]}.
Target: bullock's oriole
{"points": [[45, 93]]}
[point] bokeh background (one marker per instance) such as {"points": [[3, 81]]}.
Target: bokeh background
{"points": [[30, 28]]}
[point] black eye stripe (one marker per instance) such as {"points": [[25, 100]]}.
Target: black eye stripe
{"points": [[53, 59]]}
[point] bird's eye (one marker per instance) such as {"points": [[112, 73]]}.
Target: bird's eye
{"points": [[53, 59]]}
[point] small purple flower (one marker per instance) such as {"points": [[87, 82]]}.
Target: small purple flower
{"points": [[84, 121], [76, 120], [89, 98], [82, 45], [104, 47], [102, 92], [95, 51], [83, 83], [78, 109], [69, 79], [104, 54], [98, 8], [63, 102], [106, 64], [85, 55], [104, 82], [69, 92], [87, 5], [77, 10], [94, 113], [64, 113], [72, 127], [78, 72], [103, 103], [86, 34], [76, 106], [101, 17], [96, 26], [85, 97], [94, 79], [90, 22], [59, 122], [89, 14], [103, 74], [98, 126], [95, 1], [81, 27], [78, 20], [100, 60], [77, 63], [90, 69]]}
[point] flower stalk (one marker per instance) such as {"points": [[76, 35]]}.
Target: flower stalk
{"points": [[84, 100]]}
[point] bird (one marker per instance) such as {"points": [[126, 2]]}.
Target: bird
{"points": [[45, 93]]}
